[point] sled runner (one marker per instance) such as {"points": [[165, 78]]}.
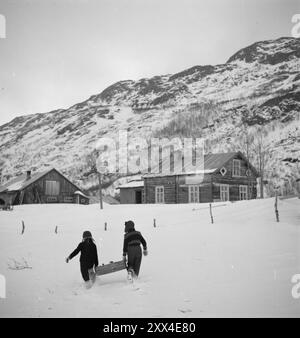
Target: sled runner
{"points": [[110, 267]]}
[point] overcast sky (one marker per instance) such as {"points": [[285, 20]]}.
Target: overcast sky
{"points": [[58, 53]]}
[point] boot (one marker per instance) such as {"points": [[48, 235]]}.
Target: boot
{"points": [[130, 275]]}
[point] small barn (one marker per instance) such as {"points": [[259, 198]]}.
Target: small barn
{"points": [[225, 177], [132, 192], [49, 186]]}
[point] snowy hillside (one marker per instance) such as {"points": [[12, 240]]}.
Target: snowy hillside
{"points": [[257, 86], [241, 265]]}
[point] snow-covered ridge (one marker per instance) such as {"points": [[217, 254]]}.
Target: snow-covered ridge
{"points": [[259, 85], [271, 51]]}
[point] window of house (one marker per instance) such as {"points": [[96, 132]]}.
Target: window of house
{"points": [[248, 172], [68, 199], [223, 171], [159, 194], [52, 188], [52, 199], [193, 194], [236, 170], [243, 192], [224, 192]]}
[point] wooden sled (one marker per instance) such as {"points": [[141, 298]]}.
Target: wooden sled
{"points": [[110, 267]]}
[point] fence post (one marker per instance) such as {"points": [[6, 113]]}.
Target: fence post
{"points": [[105, 226], [154, 222], [23, 227], [275, 206], [211, 215]]}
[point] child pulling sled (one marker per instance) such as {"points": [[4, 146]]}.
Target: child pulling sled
{"points": [[132, 249], [88, 258]]}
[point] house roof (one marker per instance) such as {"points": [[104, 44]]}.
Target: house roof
{"points": [[21, 182], [78, 192], [212, 163], [132, 184], [216, 161]]}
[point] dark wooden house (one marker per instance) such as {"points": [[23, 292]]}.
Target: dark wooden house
{"points": [[41, 187], [132, 192], [225, 177]]}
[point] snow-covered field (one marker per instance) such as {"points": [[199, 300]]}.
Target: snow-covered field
{"points": [[241, 265]]}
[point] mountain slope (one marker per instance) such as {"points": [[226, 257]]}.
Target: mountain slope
{"points": [[258, 86]]}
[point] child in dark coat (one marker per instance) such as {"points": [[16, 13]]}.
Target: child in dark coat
{"points": [[88, 257], [132, 248]]}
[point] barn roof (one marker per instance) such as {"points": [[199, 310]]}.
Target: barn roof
{"points": [[212, 163], [21, 182]]}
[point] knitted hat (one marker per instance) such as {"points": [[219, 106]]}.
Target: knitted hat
{"points": [[87, 234], [129, 225]]}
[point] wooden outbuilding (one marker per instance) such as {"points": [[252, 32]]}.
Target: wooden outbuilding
{"points": [[132, 192], [49, 186]]}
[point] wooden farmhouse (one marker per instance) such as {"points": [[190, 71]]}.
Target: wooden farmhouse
{"points": [[226, 177], [41, 187]]}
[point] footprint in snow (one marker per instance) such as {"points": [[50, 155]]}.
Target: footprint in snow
{"points": [[138, 288], [185, 310]]}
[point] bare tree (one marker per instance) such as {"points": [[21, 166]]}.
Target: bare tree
{"points": [[245, 145], [247, 149], [1, 170], [295, 177], [262, 155], [92, 169]]}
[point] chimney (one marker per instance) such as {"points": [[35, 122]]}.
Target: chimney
{"points": [[28, 174]]}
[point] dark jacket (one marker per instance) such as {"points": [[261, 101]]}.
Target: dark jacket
{"points": [[88, 253], [133, 238]]}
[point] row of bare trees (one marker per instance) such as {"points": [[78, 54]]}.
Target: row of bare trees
{"points": [[255, 147]]}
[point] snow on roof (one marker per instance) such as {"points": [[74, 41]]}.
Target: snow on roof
{"points": [[15, 186], [21, 182], [132, 184], [212, 162], [77, 192], [189, 172]]}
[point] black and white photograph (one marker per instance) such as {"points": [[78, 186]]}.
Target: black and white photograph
{"points": [[149, 160]]}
